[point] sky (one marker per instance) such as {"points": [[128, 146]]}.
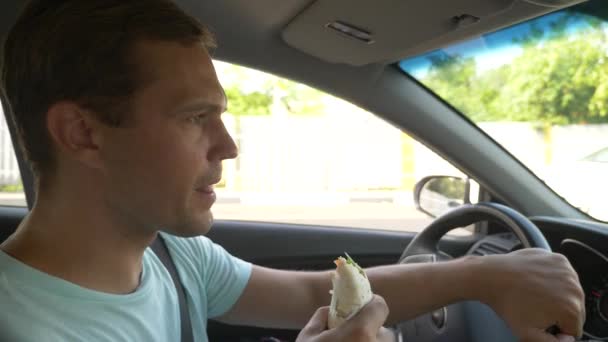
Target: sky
{"points": [[490, 50]]}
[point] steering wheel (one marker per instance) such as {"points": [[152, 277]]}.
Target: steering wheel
{"points": [[471, 320]]}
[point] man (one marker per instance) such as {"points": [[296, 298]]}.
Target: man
{"points": [[118, 109]]}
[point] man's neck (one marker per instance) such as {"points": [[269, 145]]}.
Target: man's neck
{"points": [[80, 245]]}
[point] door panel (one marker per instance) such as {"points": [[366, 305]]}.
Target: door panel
{"points": [[288, 246], [10, 217]]}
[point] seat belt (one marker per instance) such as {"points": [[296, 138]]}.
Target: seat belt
{"points": [[160, 249]]}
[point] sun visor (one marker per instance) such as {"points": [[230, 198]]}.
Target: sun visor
{"points": [[359, 32]]}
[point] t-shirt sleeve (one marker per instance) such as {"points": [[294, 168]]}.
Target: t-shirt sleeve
{"points": [[222, 276], [225, 277]]}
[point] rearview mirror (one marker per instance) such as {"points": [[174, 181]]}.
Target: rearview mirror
{"points": [[436, 195]]}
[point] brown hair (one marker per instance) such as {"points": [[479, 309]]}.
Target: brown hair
{"points": [[81, 51]]}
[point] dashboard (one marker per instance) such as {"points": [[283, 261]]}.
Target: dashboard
{"points": [[585, 244], [592, 268], [590, 264]]}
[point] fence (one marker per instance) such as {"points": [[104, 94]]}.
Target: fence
{"points": [[349, 149], [540, 148], [313, 153], [352, 151]]}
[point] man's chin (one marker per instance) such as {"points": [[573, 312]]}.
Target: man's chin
{"points": [[201, 225]]}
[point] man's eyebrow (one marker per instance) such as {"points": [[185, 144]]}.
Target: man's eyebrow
{"points": [[202, 106]]}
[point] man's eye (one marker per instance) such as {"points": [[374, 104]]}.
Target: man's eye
{"points": [[198, 119]]}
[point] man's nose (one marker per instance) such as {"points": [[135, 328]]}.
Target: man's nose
{"points": [[224, 146]]}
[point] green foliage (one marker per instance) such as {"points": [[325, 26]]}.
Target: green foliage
{"points": [[251, 92], [297, 98], [559, 79], [11, 188], [254, 103]]}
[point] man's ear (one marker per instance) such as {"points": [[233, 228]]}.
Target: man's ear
{"points": [[75, 132]]}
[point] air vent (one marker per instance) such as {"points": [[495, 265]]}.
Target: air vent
{"points": [[487, 248]]}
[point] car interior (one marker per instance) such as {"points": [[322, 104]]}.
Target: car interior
{"points": [[351, 49]]}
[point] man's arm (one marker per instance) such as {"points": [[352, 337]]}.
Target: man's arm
{"points": [[530, 289], [287, 299], [280, 299]]}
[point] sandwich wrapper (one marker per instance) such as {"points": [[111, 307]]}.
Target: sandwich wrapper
{"points": [[351, 291]]}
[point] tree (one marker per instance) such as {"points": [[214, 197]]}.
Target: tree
{"points": [[555, 81], [297, 98], [453, 78], [251, 92], [254, 103], [559, 79]]}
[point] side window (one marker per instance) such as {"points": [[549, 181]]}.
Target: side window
{"points": [[309, 158], [11, 187]]}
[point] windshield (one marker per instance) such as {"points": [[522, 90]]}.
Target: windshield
{"points": [[540, 89]]}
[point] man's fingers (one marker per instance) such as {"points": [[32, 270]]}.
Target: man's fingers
{"points": [[565, 338], [542, 336], [369, 319], [387, 335], [373, 314], [318, 322], [572, 323]]}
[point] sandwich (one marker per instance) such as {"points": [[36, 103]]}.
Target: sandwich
{"points": [[351, 291]]}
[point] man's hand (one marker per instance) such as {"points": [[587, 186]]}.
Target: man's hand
{"points": [[533, 290], [365, 326]]}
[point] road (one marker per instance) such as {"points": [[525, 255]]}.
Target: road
{"points": [[12, 199]]}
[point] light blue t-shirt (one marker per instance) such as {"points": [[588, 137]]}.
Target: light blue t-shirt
{"points": [[35, 306]]}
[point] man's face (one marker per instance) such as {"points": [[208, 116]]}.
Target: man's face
{"points": [[160, 168]]}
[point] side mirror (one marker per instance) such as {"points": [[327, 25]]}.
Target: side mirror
{"points": [[436, 195]]}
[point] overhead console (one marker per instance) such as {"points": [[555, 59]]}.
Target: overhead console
{"points": [[359, 32]]}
